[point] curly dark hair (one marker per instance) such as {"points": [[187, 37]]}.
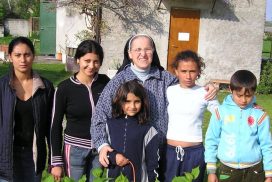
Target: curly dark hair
{"points": [[189, 55]]}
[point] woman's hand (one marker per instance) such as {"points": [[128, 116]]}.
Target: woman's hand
{"points": [[103, 155], [211, 91], [268, 179], [56, 172], [212, 178], [121, 160]]}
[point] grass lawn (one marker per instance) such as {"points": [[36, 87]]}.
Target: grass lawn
{"points": [[54, 72], [267, 48]]}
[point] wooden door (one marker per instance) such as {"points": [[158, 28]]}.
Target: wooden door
{"points": [[184, 30]]}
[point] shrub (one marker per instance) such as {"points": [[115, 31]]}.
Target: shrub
{"points": [[265, 85], [100, 176]]}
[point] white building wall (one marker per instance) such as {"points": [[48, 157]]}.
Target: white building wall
{"points": [[17, 27], [69, 23], [155, 24], [230, 38]]}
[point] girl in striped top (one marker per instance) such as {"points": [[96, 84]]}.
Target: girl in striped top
{"points": [[75, 98]]}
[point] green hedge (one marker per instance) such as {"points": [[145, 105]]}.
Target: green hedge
{"points": [[265, 85]]}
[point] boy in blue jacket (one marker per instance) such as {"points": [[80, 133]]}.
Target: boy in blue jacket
{"points": [[239, 136]]}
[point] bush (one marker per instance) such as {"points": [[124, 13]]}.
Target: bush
{"points": [[100, 176], [265, 85], [6, 39], [268, 36]]}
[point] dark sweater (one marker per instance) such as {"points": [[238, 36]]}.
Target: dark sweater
{"points": [[77, 102], [24, 123], [137, 142]]}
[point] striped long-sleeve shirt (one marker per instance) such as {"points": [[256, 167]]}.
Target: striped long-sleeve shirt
{"points": [[76, 102]]}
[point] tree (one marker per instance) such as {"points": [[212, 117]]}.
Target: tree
{"points": [[20, 8], [132, 11], [2, 13]]}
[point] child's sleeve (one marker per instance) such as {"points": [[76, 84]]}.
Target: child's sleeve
{"points": [[264, 136], [56, 130], [102, 113], [152, 153], [212, 141], [111, 155]]}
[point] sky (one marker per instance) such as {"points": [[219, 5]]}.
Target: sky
{"points": [[268, 10]]}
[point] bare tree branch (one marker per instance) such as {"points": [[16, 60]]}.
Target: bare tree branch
{"points": [[130, 12]]}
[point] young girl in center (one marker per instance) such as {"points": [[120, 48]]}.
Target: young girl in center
{"points": [[134, 140], [186, 107]]}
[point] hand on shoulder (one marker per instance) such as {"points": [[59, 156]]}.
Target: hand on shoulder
{"points": [[211, 91]]}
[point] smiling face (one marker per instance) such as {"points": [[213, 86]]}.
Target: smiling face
{"points": [[132, 105], [242, 98], [187, 73], [22, 58], [89, 64], [141, 52]]}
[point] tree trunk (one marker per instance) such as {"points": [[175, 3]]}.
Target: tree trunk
{"points": [[98, 24]]}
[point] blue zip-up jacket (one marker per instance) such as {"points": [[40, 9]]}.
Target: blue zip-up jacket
{"points": [[42, 100], [137, 142], [155, 86], [239, 138]]}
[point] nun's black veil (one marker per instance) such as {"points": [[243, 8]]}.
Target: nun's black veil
{"points": [[126, 60]]}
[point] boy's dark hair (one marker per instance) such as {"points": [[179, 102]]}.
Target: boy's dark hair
{"points": [[21, 40], [89, 46], [188, 55], [243, 79], [121, 96]]}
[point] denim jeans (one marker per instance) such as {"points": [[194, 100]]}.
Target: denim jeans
{"points": [[23, 165], [80, 161]]}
